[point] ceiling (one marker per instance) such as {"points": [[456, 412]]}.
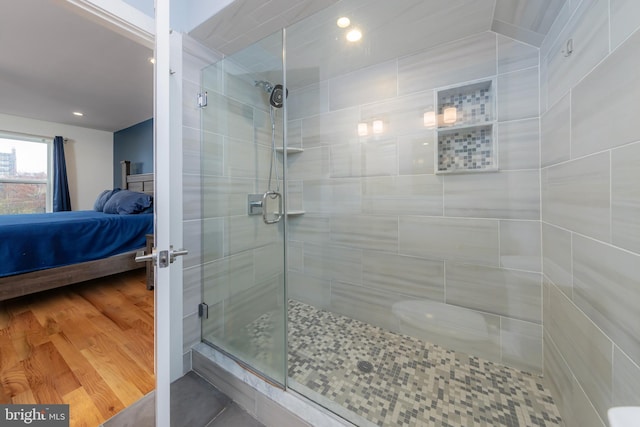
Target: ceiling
{"points": [[316, 48], [244, 22], [55, 61]]}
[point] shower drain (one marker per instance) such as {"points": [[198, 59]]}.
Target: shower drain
{"points": [[365, 366]]}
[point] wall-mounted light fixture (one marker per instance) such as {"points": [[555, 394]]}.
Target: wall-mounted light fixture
{"points": [[363, 129], [429, 119], [378, 126], [450, 115]]}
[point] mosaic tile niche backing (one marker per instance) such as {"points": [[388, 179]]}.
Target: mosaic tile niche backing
{"points": [[467, 149], [467, 144], [473, 103]]}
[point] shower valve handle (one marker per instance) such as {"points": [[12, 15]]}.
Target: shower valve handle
{"points": [[277, 215]]}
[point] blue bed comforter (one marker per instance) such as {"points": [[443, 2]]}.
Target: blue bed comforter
{"points": [[38, 241]]}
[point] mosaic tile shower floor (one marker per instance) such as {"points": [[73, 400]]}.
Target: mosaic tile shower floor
{"points": [[413, 383]]}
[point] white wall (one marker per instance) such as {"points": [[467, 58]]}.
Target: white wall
{"points": [[88, 153]]}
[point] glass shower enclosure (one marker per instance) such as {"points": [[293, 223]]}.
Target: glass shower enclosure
{"points": [[244, 188]]}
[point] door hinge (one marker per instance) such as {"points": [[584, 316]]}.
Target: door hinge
{"points": [[203, 310], [202, 99]]}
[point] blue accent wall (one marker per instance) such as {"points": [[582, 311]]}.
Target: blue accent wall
{"points": [[134, 143]]}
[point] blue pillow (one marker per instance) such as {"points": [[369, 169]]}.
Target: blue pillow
{"points": [[126, 202], [103, 198]]}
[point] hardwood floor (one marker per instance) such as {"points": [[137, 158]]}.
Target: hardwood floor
{"points": [[89, 345]]}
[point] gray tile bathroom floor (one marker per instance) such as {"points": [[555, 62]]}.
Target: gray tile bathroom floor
{"points": [[194, 403], [411, 383]]}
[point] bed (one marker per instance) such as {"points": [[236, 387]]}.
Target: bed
{"points": [[33, 260]]}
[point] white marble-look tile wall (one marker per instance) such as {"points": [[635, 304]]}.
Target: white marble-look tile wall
{"points": [[590, 210], [382, 229]]}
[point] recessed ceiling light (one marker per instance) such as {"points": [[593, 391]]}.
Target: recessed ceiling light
{"points": [[343, 22], [354, 35], [78, 113]]}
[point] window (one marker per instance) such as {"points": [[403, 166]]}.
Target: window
{"points": [[25, 175]]}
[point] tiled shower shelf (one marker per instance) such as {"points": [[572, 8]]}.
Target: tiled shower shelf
{"points": [[294, 213], [290, 150], [467, 144]]}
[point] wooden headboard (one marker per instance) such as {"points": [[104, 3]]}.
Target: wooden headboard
{"points": [[142, 182]]}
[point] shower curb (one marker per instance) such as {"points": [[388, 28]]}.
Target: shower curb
{"points": [[270, 405]]}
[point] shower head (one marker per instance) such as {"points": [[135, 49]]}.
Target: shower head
{"points": [[276, 98]]}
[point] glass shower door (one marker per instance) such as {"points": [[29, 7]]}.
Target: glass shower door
{"points": [[243, 186]]}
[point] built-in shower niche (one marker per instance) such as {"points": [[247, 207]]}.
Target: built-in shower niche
{"points": [[465, 129]]}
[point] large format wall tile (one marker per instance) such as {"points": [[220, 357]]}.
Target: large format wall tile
{"points": [[519, 144], [411, 276], [227, 276], [607, 288], [510, 293], [332, 196], [228, 117], [367, 305], [363, 86], [574, 405], [452, 327], [598, 125], [575, 196], [556, 133], [308, 101], [520, 245], [212, 161], [448, 64], [514, 56], [191, 196], [558, 376], [191, 158], [518, 95], [310, 290], [330, 262], [416, 154], [625, 197], [240, 154], [625, 15], [509, 195], [310, 227], [556, 250], [379, 157], [626, 380], [585, 348], [336, 127], [455, 239], [401, 115], [248, 232], [521, 344], [589, 29], [402, 195], [346, 160], [365, 232], [313, 164], [225, 196]]}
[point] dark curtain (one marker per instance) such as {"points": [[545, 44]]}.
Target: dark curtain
{"points": [[61, 199]]}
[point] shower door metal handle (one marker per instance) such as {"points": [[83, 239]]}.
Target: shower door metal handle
{"points": [[278, 215]]}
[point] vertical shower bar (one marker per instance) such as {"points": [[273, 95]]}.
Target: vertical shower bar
{"points": [[285, 189]]}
